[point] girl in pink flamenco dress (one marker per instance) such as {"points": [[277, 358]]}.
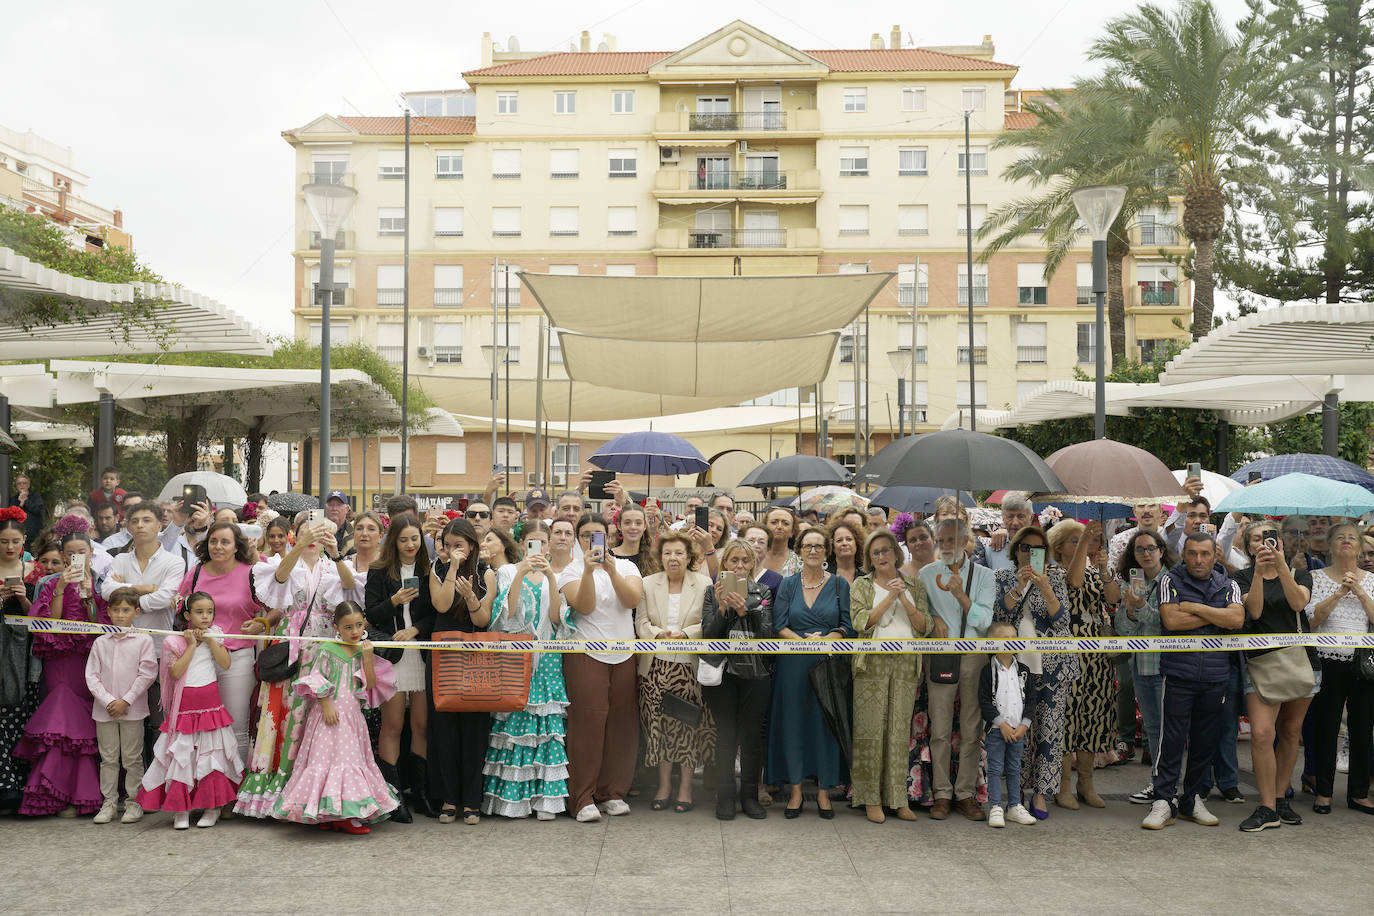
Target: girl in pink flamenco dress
{"points": [[335, 783], [196, 764]]}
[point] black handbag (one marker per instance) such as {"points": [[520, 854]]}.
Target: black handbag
{"points": [[274, 663], [381, 634], [1364, 662], [945, 668], [685, 711]]}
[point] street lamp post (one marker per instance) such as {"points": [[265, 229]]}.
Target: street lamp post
{"points": [[1098, 206], [901, 364], [496, 356], [329, 205]]}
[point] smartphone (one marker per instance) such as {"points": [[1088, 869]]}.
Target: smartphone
{"points": [[316, 516], [411, 582], [1037, 560], [1254, 477], [1195, 469], [703, 515], [14, 584], [534, 547], [77, 562], [192, 494], [1207, 528], [734, 584], [599, 543], [1271, 543], [596, 488], [1138, 581]]}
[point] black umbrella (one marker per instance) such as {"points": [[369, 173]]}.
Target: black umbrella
{"points": [[289, 504], [832, 681], [796, 471], [916, 499], [960, 460]]}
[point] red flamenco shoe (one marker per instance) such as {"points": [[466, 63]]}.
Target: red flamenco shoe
{"points": [[352, 828]]}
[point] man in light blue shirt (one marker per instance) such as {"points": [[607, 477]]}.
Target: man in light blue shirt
{"points": [[961, 593]]}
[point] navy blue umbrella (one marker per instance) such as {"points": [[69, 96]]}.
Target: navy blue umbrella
{"points": [[797, 471], [916, 499], [650, 454], [1300, 463]]}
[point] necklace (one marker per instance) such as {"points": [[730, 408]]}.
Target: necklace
{"points": [[824, 576]]}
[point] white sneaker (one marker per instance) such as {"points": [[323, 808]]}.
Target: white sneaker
{"points": [[208, 818], [589, 814], [1018, 814], [995, 818], [1343, 760], [615, 807], [133, 813], [544, 815], [105, 814], [1161, 815], [181, 820], [1200, 815]]}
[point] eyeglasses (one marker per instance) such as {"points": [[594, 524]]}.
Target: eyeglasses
{"points": [[881, 552], [812, 547], [1147, 548], [476, 515]]}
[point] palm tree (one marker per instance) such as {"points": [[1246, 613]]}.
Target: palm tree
{"points": [[1202, 86], [1096, 133]]}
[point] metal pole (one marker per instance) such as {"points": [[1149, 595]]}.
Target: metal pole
{"points": [[868, 423], [854, 358], [816, 402], [915, 304], [307, 453], [326, 294], [799, 422], [1331, 424], [968, 238], [505, 295], [901, 417], [1100, 292], [362, 501], [6, 465], [104, 445], [405, 323], [1223, 447], [539, 406], [228, 456], [495, 355]]}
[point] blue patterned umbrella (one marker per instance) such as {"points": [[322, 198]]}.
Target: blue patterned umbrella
{"points": [[1316, 465], [650, 454]]}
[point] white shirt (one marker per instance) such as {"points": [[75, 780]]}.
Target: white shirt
{"points": [[609, 619], [203, 669], [895, 624], [164, 570], [674, 610], [117, 540], [1347, 616], [1006, 692]]}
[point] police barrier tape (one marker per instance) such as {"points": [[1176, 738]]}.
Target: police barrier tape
{"points": [[1076, 644]]}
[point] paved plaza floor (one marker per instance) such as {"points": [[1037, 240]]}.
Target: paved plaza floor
{"points": [[1086, 861]]}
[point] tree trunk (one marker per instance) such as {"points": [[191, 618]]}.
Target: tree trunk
{"points": [[184, 437], [1204, 286], [1117, 249], [252, 453]]}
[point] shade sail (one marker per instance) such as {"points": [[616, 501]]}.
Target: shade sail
{"points": [[719, 420], [704, 309], [732, 370], [1321, 339], [471, 395]]}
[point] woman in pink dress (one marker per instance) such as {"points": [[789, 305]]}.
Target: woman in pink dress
{"points": [[335, 783]]}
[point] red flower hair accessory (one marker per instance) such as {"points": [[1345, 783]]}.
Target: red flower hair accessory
{"points": [[13, 514]]}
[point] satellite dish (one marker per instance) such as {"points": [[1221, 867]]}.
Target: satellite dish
{"points": [[512, 44]]}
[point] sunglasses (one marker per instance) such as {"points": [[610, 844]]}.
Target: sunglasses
{"points": [[477, 515]]}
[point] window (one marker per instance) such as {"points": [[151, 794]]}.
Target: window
{"points": [[1032, 339], [853, 160], [980, 391], [450, 458], [918, 398], [620, 270], [391, 163], [562, 221], [328, 167], [978, 155], [980, 284], [510, 456], [913, 98], [622, 163], [391, 342], [448, 164], [980, 343], [565, 103], [508, 103], [508, 336], [391, 456], [563, 270], [854, 219], [1156, 284], [1085, 284], [845, 395], [856, 99], [507, 288], [1157, 227], [623, 101], [621, 221], [391, 280], [505, 163], [912, 160], [1087, 342], [1032, 287], [338, 333], [980, 213], [448, 284], [505, 222], [563, 163], [913, 219], [342, 273], [338, 456], [909, 284], [1152, 348], [904, 339], [448, 342], [448, 221], [555, 348], [391, 220], [973, 98], [566, 459]]}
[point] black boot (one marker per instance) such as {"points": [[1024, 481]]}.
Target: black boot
{"points": [[419, 786], [401, 814], [749, 802]]}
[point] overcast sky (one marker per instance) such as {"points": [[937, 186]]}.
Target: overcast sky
{"points": [[176, 109]]}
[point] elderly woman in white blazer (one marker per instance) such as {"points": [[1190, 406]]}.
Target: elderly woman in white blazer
{"points": [[677, 725]]}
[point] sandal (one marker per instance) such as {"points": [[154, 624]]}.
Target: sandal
{"points": [[448, 815], [682, 807], [471, 817], [659, 804]]}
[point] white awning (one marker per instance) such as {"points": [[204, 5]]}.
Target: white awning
{"points": [[722, 419], [1317, 339], [192, 322], [781, 200]]}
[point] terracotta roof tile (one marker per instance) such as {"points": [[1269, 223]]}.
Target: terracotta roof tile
{"points": [[902, 59], [419, 126], [1019, 120]]}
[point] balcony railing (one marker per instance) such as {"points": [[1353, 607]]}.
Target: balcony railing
{"points": [[739, 238], [1158, 234], [904, 295], [980, 295], [980, 356], [1085, 295], [448, 354], [1156, 294], [738, 120], [448, 297], [328, 176], [340, 292], [391, 354], [914, 413], [509, 296], [391, 296], [1035, 355], [741, 180]]}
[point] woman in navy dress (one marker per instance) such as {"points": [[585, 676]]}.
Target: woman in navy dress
{"points": [[812, 604]]}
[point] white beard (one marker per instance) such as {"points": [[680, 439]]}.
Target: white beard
{"points": [[951, 558]]}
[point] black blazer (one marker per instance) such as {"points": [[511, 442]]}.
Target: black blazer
{"points": [[33, 507], [456, 617], [390, 617]]}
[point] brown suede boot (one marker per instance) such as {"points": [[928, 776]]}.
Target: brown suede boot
{"points": [[1086, 793], [1065, 797]]}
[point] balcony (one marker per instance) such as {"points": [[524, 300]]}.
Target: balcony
{"points": [[772, 119], [391, 354], [392, 296], [1032, 355], [448, 354], [310, 241], [445, 297], [511, 297], [980, 295], [347, 179], [740, 238], [686, 183], [1158, 234], [668, 239], [1085, 295], [915, 413], [905, 295], [1152, 294], [685, 123], [343, 296], [980, 356]]}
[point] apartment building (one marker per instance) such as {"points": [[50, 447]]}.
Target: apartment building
{"points": [[40, 176], [737, 154]]}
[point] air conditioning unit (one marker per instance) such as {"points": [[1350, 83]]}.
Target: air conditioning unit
{"points": [[422, 350], [532, 478], [669, 154], [557, 480]]}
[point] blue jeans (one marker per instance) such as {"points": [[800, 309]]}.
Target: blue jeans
{"points": [[1004, 759], [1149, 688], [1224, 773]]}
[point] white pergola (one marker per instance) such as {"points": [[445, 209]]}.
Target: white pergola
{"points": [[192, 322]]}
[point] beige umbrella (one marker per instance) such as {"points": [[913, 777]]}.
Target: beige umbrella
{"points": [[1106, 471]]}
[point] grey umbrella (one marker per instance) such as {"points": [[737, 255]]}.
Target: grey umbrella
{"points": [[289, 504], [796, 471], [961, 460]]}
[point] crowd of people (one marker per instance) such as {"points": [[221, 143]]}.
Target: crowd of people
{"points": [[217, 712]]}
